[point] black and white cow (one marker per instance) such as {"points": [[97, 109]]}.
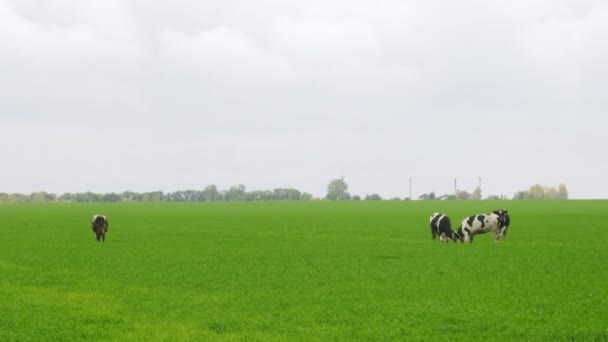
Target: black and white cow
{"points": [[100, 225], [442, 227], [483, 223]]}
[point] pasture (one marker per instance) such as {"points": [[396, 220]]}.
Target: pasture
{"points": [[274, 271]]}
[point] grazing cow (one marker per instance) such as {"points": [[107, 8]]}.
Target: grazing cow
{"points": [[100, 225], [442, 227], [483, 223]]}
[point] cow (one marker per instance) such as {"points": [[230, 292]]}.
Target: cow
{"points": [[442, 227], [496, 222], [100, 225]]}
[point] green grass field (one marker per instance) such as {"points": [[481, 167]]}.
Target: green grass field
{"points": [[301, 271]]}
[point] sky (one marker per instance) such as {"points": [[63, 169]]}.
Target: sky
{"points": [[141, 95]]}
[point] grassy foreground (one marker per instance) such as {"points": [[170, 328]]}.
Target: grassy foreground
{"points": [[301, 271]]}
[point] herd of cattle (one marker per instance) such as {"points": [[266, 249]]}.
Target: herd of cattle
{"points": [[497, 222]]}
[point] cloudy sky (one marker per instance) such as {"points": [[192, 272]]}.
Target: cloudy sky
{"points": [[141, 95]]}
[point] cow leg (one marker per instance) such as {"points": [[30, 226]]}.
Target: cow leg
{"points": [[496, 236]]}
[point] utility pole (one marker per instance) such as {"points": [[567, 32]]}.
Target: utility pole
{"points": [[455, 187], [410, 188]]}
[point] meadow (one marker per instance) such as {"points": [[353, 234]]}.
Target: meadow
{"points": [[276, 271]]}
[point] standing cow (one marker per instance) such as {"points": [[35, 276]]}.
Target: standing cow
{"points": [[100, 225], [496, 222], [442, 227]]}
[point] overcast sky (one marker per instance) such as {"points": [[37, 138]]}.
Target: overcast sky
{"points": [[141, 95]]}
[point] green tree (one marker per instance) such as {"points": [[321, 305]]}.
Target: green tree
{"points": [[476, 195], [111, 197], [520, 195], [373, 197], [550, 193], [236, 193], [429, 196], [463, 195], [305, 196], [536, 192], [211, 194], [562, 191], [337, 189]]}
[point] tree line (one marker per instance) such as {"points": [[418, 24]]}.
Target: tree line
{"points": [[535, 192], [539, 192], [210, 194], [337, 189]]}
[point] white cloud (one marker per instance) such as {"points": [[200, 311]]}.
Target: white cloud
{"points": [[103, 34], [225, 54]]}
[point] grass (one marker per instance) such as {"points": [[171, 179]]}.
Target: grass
{"points": [[275, 271]]}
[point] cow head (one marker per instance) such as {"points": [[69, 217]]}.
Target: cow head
{"points": [[458, 235], [504, 220], [99, 220]]}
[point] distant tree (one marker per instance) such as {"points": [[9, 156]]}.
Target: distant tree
{"points": [[536, 192], [539, 192], [356, 198], [373, 197], [463, 195], [66, 197], [476, 195], [261, 195], [287, 194], [211, 193], [156, 196], [236, 193], [395, 199], [129, 196], [337, 189], [429, 196], [111, 197], [562, 191], [520, 195], [42, 196], [493, 197], [305, 196], [550, 192], [293, 194]]}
